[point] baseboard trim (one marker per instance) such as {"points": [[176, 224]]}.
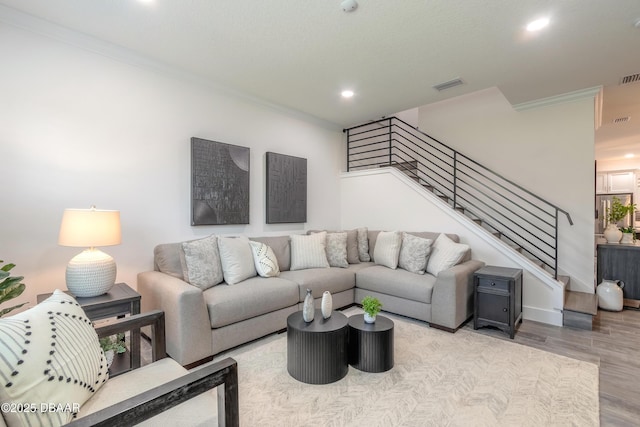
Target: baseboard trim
{"points": [[537, 314]]}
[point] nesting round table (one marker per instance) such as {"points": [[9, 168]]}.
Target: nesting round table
{"points": [[371, 344], [317, 351]]}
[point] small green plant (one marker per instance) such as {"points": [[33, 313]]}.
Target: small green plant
{"points": [[114, 342], [10, 287], [371, 305], [629, 229], [618, 211]]}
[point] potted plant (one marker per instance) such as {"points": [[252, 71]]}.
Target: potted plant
{"points": [[10, 287], [615, 214], [628, 234], [112, 345], [371, 307]]}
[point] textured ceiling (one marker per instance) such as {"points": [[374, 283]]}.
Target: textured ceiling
{"points": [[301, 54]]}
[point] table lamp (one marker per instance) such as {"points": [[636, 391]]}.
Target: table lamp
{"points": [[92, 272]]}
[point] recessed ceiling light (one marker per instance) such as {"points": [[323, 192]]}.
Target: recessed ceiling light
{"points": [[538, 24], [629, 155], [347, 93]]}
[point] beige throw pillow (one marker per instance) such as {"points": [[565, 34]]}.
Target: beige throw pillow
{"points": [[264, 260], [445, 253], [414, 253], [387, 249], [337, 249], [236, 257], [308, 251], [201, 265]]}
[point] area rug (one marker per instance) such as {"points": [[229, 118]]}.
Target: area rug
{"points": [[439, 379]]}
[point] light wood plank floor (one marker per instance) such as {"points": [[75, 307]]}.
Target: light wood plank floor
{"points": [[613, 344]]}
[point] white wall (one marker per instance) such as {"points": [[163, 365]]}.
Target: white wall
{"points": [[391, 201], [549, 150], [78, 128]]}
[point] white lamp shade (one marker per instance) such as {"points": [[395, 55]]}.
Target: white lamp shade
{"points": [[90, 228]]}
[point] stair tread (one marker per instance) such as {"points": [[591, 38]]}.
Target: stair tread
{"points": [[581, 302]]}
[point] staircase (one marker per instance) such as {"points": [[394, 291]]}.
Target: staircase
{"points": [[518, 218]]}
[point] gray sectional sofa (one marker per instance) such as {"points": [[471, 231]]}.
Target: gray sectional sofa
{"points": [[201, 323]]}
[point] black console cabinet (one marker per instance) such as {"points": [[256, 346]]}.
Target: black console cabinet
{"points": [[498, 298], [620, 262]]}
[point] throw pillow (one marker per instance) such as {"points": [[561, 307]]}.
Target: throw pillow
{"points": [[337, 250], [363, 244], [414, 253], [353, 256], [201, 263], [236, 258], [445, 254], [387, 249], [50, 354], [264, 259], [308, 251]]}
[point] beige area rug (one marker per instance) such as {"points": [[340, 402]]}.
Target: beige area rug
{"points": [[439, 379]]}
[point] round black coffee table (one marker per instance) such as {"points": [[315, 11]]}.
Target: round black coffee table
{"points": [[371, 344], [317, 351]]}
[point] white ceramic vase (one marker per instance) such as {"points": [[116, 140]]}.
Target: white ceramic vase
{"points": [[308, 307], [327, 304], [627, 238], [610, 295], [369, 319], [612, 233]]}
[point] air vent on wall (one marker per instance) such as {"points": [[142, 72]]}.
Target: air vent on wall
{"points": [[633, 78], [448, 85], [622, 119]]}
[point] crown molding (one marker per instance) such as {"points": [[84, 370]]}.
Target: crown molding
{"points": [[591, 92]]}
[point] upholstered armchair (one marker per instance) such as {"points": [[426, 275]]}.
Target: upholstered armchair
{"points": [[53, 372]]}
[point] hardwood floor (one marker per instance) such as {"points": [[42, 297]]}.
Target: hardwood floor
{"points": [[613, 344]]}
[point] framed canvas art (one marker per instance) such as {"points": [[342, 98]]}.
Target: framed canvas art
{"points": [[219, 183], [286, 189]]}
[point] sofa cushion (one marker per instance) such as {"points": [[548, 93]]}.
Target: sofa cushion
{"points": [[319, 280], [363, 244], [445, 254], [399, 283], [281, 248], [387, 249], [337, 249], [264, 259], [414, 253], [201, 262], [50, 354], [166, 258], [249, 298], [309, 251], [236, 258]]}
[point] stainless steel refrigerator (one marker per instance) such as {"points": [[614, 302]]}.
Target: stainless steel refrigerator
{"points": [[603, 204]]}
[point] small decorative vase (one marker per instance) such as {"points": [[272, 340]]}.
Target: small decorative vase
{"points": [[369, 319], [610, 295], [627, 238], [327, 304], [612, 233], [308, 308]]}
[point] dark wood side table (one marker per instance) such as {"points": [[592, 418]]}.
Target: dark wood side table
{"points": [[371, 344], [118, 302], [498, 298], [317, 351]]}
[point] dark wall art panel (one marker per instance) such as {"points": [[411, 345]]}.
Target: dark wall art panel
{"points": [[219, 183], [286, 189]]}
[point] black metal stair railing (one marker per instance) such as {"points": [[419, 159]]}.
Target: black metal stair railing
{"points": [[516, 215]]}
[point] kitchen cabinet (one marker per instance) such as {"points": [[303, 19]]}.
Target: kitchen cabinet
{"points": [[615, 182], [620, 262]]}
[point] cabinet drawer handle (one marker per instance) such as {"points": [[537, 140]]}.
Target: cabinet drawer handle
{"points": [[493, 283], [504, 309]]}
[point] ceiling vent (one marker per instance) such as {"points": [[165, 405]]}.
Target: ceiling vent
{"points": [[448, 85], [621, 120], [633, 78]]}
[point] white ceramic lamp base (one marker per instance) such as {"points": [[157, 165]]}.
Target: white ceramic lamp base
{"points": [[90, 273]]}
